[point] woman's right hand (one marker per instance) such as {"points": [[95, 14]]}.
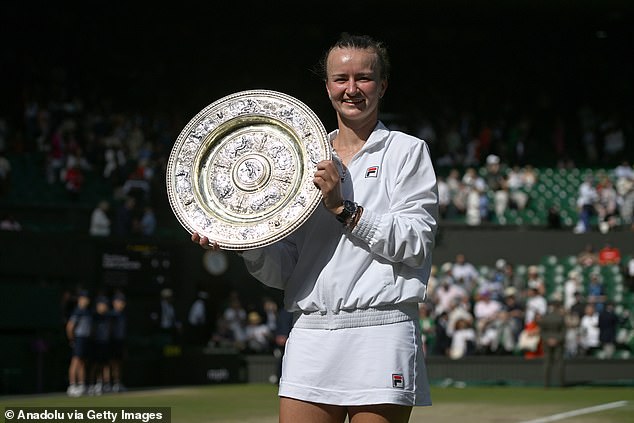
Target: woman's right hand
{"points": [[204, 242], [328, 180]]}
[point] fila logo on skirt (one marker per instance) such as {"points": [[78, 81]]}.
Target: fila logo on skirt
{"points": [[398, 381]]}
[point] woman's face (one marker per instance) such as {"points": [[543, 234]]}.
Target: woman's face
{"points": [[353, 83]]}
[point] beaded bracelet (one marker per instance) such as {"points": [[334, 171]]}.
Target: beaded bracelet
{"points": [[354, 219]]}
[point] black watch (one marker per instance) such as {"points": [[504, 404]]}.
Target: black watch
{"points": [[349, 209]]}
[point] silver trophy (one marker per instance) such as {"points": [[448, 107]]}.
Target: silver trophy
{"points": [[241, 171]]}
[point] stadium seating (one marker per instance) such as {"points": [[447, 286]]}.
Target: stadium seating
{"points": [[554, 271]]}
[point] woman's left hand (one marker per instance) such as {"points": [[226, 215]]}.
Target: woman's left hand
{"points": [[205, 242]]}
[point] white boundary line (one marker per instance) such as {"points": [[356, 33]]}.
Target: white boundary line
{"points": [[578, 412]]}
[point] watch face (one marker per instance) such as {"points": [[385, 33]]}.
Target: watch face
{"points": [[215, 262], [349, 208]]}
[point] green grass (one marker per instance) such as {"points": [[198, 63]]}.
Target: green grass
{"points": [[258, 403]]}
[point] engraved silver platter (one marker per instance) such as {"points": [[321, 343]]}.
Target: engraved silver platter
{"points": [[241, 171]]}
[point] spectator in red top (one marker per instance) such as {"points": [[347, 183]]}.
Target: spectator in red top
{"points": [[74, 181], [609, 255]]}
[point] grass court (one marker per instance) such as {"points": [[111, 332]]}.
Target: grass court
{"points": [[257, 403]]}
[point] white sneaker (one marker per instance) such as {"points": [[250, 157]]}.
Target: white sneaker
{"points": [[70, 391], [118, 387], [78, 390]]}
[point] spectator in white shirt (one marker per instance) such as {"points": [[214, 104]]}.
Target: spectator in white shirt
{"points": [[466, 271], [535, 305], [99, 220], [586, 201]]}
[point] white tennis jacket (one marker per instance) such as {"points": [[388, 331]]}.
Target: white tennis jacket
{"points": [[386, 259]]}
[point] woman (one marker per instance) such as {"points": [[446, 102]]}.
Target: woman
{"points": [[354, 273]]}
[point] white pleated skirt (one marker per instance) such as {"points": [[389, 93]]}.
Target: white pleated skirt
{"points": [[356, 366]]}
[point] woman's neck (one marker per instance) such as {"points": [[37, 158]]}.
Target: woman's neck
{"points": [[353, 135]]}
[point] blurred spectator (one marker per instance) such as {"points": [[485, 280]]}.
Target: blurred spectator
{"points": [[512, 318], [99, 220], [609, 254], [572, 285], [114, 161], [607, 205], [624, 171], [459, 310], [258, 336], [535, 280], [222, 335], [485, 311], [100, 348], [443, 340], [529, 341], [493, 283], [498, 274], [464, 270], [236, 317], [458, 192], [573, 328], [608, 326], [138, 183], [165, 317], [553, 334], [513, 280], [529, 177], [588, 256], [73, 178], [573, 321], [147, 224], [497, 183], [519, 182], [118, 347], [596, 291], [271, 312], [56, 151], [477, 204], [536, 305], [579, 305], [126, 219], [78, 332], [463, 340], [589, 330], [444, 197], [9, 223], [198, 319], [446, 294], [586, 202], [624, 174]]}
